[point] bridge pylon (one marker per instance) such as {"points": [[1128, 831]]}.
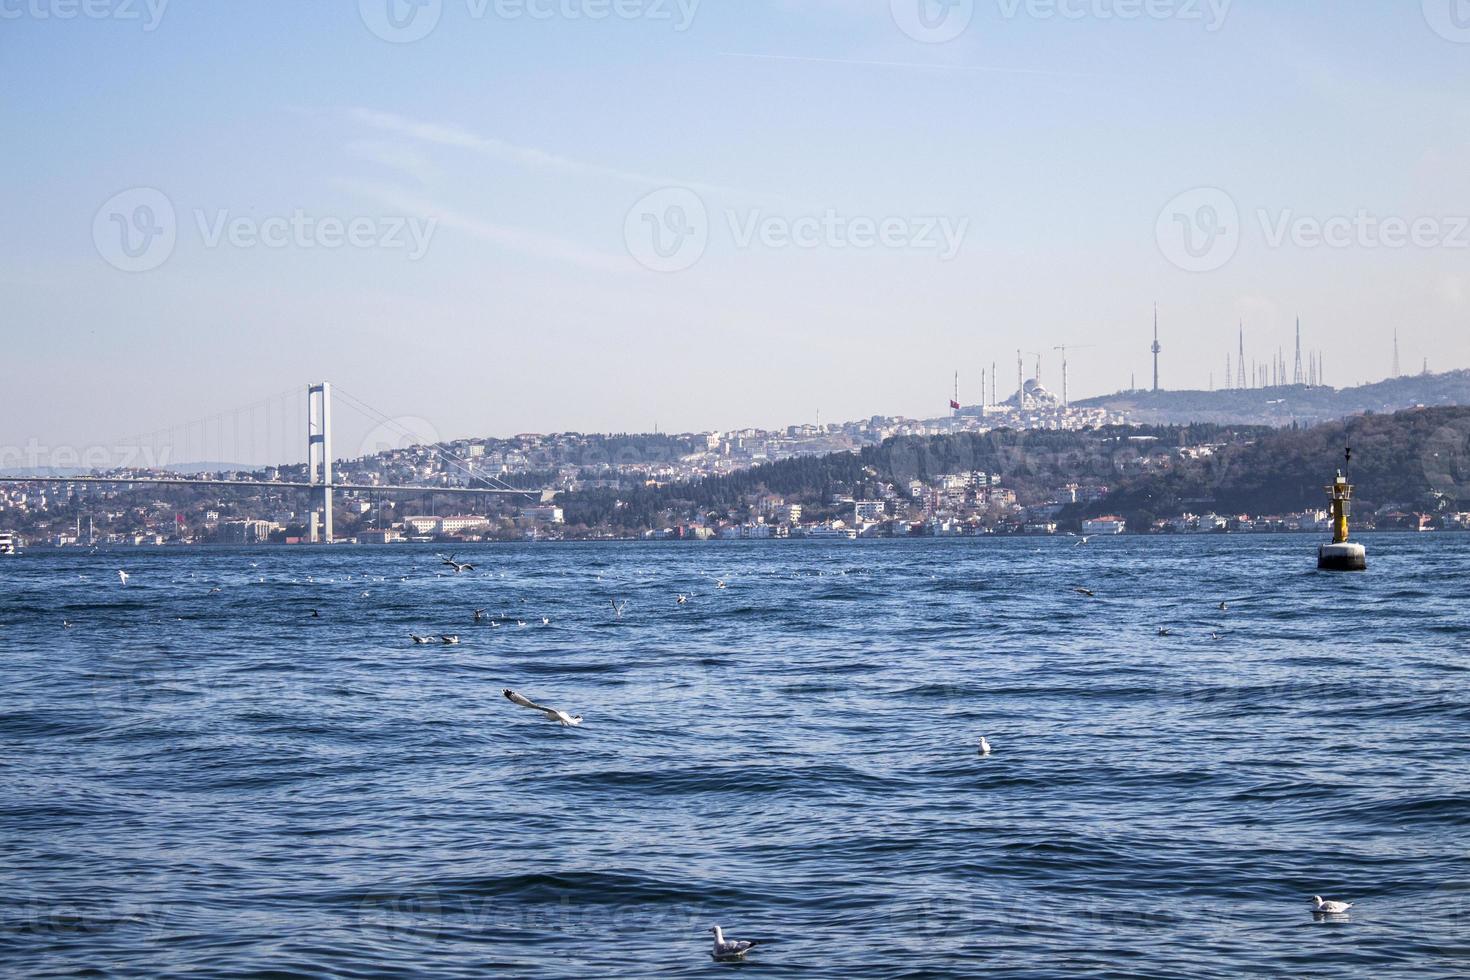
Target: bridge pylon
{"points": [[319, 462]]}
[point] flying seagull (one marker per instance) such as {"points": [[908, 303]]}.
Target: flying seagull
{"points": [[552, 714], [729, 949], [618, 607], [1329, 908], [123, 576], [479, 615], [1082, 541], [984, 746], [458, 566]]}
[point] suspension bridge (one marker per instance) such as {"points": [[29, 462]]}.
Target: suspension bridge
{"points": [[320, 484]]}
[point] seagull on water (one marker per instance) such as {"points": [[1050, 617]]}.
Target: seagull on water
{"points": [[479, 615], [1224, 607], [422, 641], [1165, 631], [123, 576], [683, 599], [729, 949], [552, 714], [984, 746], [1321, 907], [1087, 592], [449, 641], [545, 621]]}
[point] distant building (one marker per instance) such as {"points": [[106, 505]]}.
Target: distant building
{"points": [[544, 514], [246, 532], [459, 525], [867, 511], [379, 536], [8, 542], [1105, 525]]}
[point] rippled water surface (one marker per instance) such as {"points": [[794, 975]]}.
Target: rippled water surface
{"points": [[201, 777]]}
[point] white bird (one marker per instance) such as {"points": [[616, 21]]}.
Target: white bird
{"points": [[984, 746], [729, 949], [422, 640], [458, 566], [1329, 908], [1082, 541], [618, 607], [683, 599], [545, 621], [123, 576], [450, 641], [552, 714]]}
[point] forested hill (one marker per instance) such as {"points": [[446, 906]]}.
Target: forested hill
{"points": [[1283, 405], [1404, 458]]}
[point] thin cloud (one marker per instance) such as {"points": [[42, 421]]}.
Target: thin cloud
{"points": [[909, 65]]}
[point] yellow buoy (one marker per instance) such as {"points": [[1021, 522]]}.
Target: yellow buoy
{"points": [[1342, 555]]}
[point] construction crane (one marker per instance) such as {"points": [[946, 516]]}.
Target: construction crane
{"points": [[1066, 403]]}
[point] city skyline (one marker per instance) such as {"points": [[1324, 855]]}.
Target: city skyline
{"points": [[504, 282]]}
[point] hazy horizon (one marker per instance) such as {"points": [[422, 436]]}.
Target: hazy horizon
{"points": [[704, 216]]}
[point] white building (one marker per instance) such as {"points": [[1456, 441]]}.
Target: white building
{"points": [[544, 514], [1105, 525], [867, 511], [8, 542]]}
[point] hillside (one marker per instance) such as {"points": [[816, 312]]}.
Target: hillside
{"points": [[1418, 459], [1284, 405]]}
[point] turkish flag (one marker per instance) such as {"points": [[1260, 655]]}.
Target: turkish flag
{"points": [[955, 405]]}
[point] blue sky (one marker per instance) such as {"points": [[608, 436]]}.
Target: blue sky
{"points": [[532, 152]]}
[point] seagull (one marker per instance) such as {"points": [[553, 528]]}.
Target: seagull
{"points": [[67, 624], [1164, 631], [552, 714], [729, 949], [1087, 592], [683, 599], [316, 614], [458, 566], [1224, 607], [1082, 541], [450, 641], [479, 615], [1329, 908], [421, 640], [618, 607], [545, 621], [123, 576], [984, 746]]}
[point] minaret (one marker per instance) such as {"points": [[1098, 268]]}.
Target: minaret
{"points": [[1240, 361], [1396, 372], [1300, 377], [1157, 350], [1020, 380]]}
